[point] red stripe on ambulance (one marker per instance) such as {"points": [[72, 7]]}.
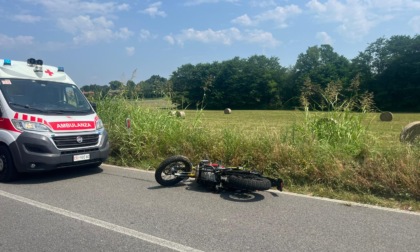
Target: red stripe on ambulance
{"points": [[24, 117], [6, 124]]}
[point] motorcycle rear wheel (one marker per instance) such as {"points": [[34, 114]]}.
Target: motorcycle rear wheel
{"points": [[166, 172], [248, 182]]}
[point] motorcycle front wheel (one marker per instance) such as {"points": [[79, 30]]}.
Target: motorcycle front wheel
{"points": [[248, 182], [167, 172]]}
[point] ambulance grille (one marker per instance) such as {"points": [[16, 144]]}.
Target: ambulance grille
{"points": [[71, 141]]}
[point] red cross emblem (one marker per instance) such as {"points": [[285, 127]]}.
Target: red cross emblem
{"points": [[49, 72]]}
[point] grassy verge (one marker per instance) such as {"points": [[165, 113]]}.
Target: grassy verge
{"points": [[347, 156]]}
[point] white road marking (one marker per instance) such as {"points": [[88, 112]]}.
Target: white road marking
{"points": [[100, 223], [347, 203]]}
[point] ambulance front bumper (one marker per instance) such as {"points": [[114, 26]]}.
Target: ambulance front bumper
{"points": [[34, 152]]}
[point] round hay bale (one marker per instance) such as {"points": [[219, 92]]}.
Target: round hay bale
{"points": [[180, 114], [386, 116], [411, 133], [172, 113], [228, 111]]}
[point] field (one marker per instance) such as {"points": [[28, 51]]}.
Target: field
{"points": [[351, 156], [277, 121]]}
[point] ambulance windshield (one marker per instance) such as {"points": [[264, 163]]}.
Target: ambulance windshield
{"points": [[44, 97]]}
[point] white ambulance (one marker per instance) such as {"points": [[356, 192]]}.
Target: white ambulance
{"points": [[46, 122]]}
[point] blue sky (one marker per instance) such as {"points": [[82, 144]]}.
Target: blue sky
{"points": [[101, 41]]}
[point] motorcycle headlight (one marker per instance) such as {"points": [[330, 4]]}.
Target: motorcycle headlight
{"points": [[99, 124], [29, 126]]}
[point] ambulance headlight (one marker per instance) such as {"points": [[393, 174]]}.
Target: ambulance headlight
{"points": [[29, 126], [99, 124]]}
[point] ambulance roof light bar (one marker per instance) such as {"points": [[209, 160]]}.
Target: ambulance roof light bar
{"points": [[32, 61], [36, 63]]}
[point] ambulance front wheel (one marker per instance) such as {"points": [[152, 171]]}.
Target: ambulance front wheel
{"points": [[8, 170]]}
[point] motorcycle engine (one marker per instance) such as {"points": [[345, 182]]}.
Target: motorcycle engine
{"points": [[207, 174]]}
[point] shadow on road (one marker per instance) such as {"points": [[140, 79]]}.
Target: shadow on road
{"points": [[56, 175], [231, 195], [242, 196]]}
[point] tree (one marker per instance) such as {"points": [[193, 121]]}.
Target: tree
{"points": [[116, 85], [154, 87], [321, 65], [97, 91], [253, 83], [390, 68]]}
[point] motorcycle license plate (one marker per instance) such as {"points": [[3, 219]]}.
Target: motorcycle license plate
{"points": [[81, 157]]}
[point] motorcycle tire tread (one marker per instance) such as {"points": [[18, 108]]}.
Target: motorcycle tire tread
{"points": [[249, 182], [165, 163]]}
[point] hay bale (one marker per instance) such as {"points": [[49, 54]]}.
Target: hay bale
{"points": [[180, 114], [386, 116], [411, 133], [228, 111]]}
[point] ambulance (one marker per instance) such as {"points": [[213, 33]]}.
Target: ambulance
{"points": [[46, 122]]}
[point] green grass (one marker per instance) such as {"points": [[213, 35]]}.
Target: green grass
{"points": [[358, 157], [279, 120]]}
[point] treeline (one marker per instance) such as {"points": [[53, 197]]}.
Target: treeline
{"points": [[387, 68]]}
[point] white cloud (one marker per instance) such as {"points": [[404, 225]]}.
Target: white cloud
{"points": [[88, 21], [170, 39], [324, 38], [123, 7], [415, 24], [225, 37], [356, 18], [279, 16], [263, 38], [79, 7], [130, 50], [153, 10], [123, 33], [198, 2], [316, 6], [9, 42], [146, 35], [243, 20], [25, 18], [263, 4], [89, 30]]}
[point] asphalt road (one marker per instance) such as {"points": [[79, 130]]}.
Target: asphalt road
{"points": [[116, 209]]}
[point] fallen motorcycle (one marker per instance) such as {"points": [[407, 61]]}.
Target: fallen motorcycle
{"points": [[177, 168]]}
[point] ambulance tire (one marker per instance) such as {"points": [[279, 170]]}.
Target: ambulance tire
{"points": [[8, 170]]}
